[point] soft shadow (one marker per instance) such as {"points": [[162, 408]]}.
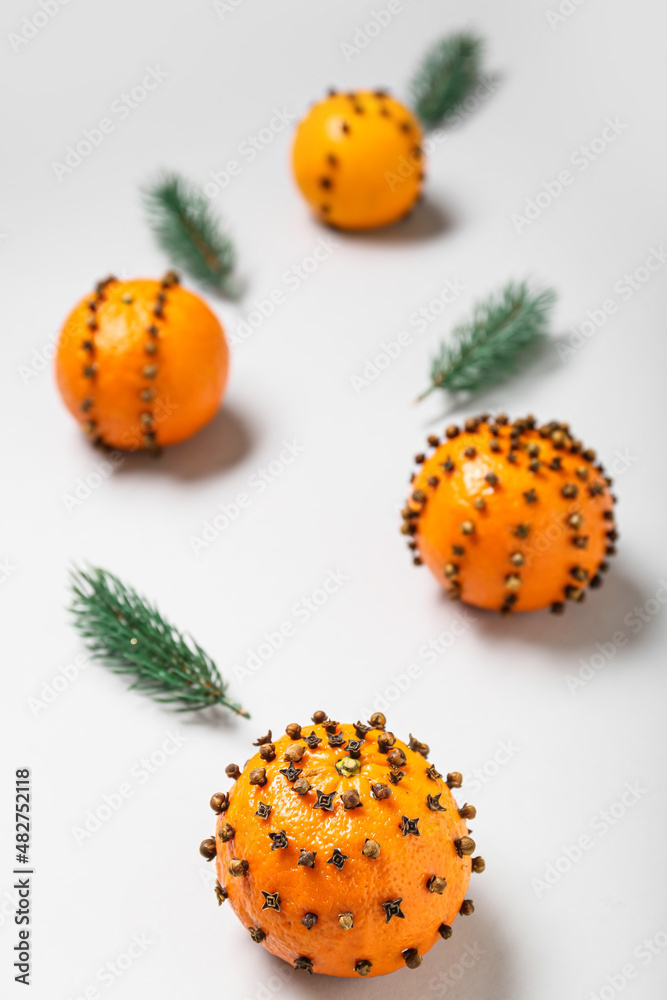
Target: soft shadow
{"points": [[477, 941], [217, 717], [427, 220], [594, 620], [214, 449]]}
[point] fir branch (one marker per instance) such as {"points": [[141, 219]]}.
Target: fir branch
{"points": [[449, 72], [503, 332], [129, 635], [189, 231]]}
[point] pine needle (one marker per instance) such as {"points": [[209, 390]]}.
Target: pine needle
{"points": [[188, 231], [501, 336], [129, 635], [449, 72]]}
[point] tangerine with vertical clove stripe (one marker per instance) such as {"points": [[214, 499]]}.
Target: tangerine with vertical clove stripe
{"points": [[363, 883], [358, 159], [142, 363]]}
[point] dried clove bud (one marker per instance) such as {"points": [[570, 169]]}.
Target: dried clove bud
{"points": [[219, 802], [378, 720], [385, 742], [238, 868], [301, 786], [371, 849], [267, 752], [295, 752], [207, 849], [363, 967], [467, 811], [309, 920], [418, 747], [467, 908], [226, 833], [396, 758], [445, 931], [293, 730], [478, 865], [454, 779], [346, 921], [464, 846], [381, 791], [437, 883], [350, 798], [257, 776], [233, 771], [412, 958], [319, 717]]}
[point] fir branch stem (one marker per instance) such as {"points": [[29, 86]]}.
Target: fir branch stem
{"points": [[201, 244], [129, 635], [427, 392]]}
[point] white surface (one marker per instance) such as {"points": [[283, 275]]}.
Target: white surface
{"points": [[335, 508]]}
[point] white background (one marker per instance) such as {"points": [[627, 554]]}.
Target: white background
{"points": [[503, 682]]}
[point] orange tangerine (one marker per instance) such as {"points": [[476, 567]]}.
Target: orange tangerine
{"points": [[142, 363], [341, 848], [358, 159]]}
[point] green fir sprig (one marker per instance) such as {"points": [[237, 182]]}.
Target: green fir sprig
{"points": [[129, 635], [189, 232], [450, 71], [501, 336]]}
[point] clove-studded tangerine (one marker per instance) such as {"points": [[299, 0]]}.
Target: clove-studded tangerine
{"points": [[511, 516], [355, 876], [358, 159], [141, 363]]}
